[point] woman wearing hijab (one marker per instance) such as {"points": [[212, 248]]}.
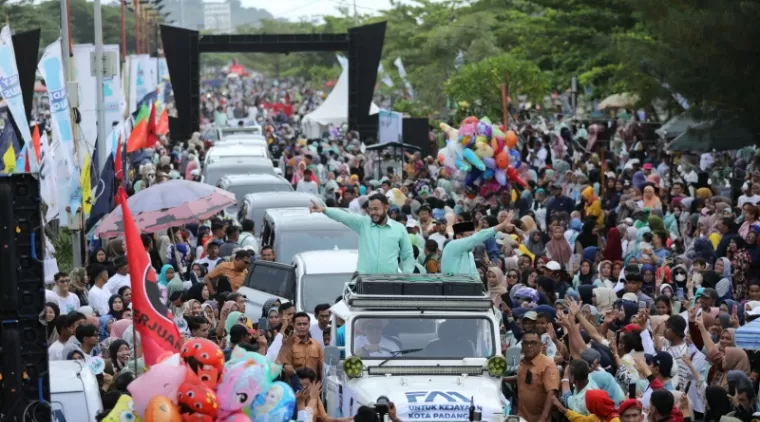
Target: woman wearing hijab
{"points": [[649, 199], [599, 405], [585, 275], [603, 299], [740, 264], [613, 251], [592, 207], [496, 284], [587, 238], [558, 249], [604, 276], [728, 359], [535, 243], [115, 306], [199, 292], [104, 327]]}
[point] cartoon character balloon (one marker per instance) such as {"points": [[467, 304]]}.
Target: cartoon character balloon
{"points": [[271, 369], [162, 379], [197, 399], [241, 383], [275, 405], [205, 358], [123, 411], [161, 409]]}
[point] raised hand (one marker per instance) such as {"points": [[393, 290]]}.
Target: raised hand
{"points": [[314, 207]]}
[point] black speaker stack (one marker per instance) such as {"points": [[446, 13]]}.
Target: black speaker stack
{"points": [[23, 338]]}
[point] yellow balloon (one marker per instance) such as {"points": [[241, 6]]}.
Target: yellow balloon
{"points": [[123, 411]]}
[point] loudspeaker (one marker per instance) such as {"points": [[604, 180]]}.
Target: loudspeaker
{"points": [[24, 359]]}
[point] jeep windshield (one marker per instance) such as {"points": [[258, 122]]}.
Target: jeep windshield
{"points": [[436, 337]]}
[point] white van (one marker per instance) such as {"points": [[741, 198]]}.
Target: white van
{"points": [[74, 391]]}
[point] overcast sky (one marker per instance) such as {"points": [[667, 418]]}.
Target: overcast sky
{"points": [[295, 9]]}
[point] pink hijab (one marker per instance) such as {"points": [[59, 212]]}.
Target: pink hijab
{"points": [[192, 165], [498, 289], [120, 327]]}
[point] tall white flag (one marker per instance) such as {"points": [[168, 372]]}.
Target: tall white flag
{"points": [[402, 73]]}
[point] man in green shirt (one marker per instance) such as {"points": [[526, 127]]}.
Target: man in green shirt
{"points": [[457, 255], [382, 241]]}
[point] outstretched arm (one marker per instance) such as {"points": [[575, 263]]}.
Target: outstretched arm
{"points": [[353, 221]]}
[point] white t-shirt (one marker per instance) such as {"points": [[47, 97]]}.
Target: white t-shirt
{"points": [[99, 300], [317, 334], [207, 261], [55, 350], [754, 199], [387, 347], [310, 187], [116, 282], [69, 303], [439, 239]]}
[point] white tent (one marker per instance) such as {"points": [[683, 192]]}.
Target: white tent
{"points": [[334, 110]]}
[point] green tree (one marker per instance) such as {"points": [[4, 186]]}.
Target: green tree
{"points": [[705, 50], [479, 84]]}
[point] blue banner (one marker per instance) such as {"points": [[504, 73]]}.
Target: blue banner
{"points": [[67, 168], [10, 88]]}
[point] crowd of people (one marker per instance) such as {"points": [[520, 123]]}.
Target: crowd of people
{"points": [[621, 279]]}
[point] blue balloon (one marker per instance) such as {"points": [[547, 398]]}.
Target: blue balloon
{"points": [[274, 405], [514, 158], [488, 174]]}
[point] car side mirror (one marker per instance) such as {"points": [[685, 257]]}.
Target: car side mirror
{"points": [[332, 355]]}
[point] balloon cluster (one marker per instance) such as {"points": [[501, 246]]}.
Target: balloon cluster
{"points": [[484, 152], [198, 385]]}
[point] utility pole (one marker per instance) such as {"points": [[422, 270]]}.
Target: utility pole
{"points": [[574, 93], [98, 68], [66, 53], [356, 16]]}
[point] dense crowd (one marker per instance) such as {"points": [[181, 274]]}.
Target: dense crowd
{"points": [[620, 278]]}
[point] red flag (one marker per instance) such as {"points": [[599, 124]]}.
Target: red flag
{"points": [[118, 167], [152, 135], [138, 138], [162, 127], [36, 143], [151, 317]]}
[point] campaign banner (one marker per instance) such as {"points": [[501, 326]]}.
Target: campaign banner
{"points": [[113, 95], [88, 100], [10, 88], [67, 169], [163, 70], [390, 127]]}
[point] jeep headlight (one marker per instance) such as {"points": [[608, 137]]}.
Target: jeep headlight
{"points": [[354, 367], [496, 366]]}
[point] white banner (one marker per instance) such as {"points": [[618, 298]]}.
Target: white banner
{"points": [[402, 72], [390, 127], [10, 88], [113, 94], [67, 169], [88, 104], [139, 79], [48, 189]]}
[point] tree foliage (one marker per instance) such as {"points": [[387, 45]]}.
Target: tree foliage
{"points": [[479, 84], [705, 49]]}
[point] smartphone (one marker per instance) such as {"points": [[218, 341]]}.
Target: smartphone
{"points": [[731, 388], [506, 299], [263, 324], [631, 391], [642, 305], [688, 385]]}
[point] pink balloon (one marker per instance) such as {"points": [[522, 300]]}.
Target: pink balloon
{"points": [[237, 417], [160, 380]]}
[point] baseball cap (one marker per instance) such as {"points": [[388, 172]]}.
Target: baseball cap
{"points": [[553, 266], [662, 360], [441, 221], [555, 185], [630, 297], [531, 315], [216, 242], [647, 166], [411, 223], [591, 355]]}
